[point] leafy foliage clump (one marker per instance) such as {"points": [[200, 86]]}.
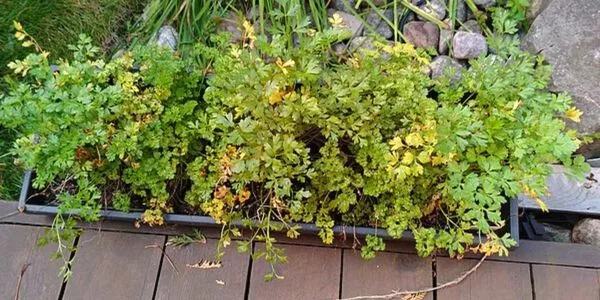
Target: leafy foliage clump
{"points": [[266, 135]]}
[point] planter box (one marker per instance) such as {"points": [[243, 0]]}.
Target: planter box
{"points": [[197, 220]]}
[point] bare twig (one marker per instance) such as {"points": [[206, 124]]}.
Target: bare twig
{"points": [[23, 269], [396, 293], [166, 255]]}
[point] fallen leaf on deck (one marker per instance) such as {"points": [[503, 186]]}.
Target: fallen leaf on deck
{"points": [[205, 264]]}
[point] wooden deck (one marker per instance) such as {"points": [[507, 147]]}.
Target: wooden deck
{"points": [[113, 261]]}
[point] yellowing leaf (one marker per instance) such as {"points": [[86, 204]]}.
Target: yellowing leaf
{"points": [[336, 20], [402, 172], [437, 160], [17, 25], [235, 52], [417, 169], [284, 65], [27, 44], [414, 139], [573, 114], [19, 35], [396, 143], [408, 158], [249, 33], [541, 204], [275, 97], [424, 157]]}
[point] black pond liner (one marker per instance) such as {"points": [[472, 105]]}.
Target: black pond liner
{"points": [[39, 208]]}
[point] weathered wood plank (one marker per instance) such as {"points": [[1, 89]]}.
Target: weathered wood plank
{"points": [[111, 265], [18, 247], [227, 282], [311, 273], [556, 282], [492, 281], [384, 273], [568, 195], [554, 253], [10, 214]]}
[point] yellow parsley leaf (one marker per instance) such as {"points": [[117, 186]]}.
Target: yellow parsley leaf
{"points": [[17, 25], [414, 139], [541, 204], [275, 97], [396, 143], [336, 20], [573, 114], [408, 158], [19, 35]]}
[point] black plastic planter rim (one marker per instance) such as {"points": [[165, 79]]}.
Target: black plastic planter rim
{"points": [[206, 221]]}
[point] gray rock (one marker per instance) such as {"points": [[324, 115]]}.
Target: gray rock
{"points": [[446, 66], [339, 48], [231, 24], [557, 233], [461, 10], [348, 21], [470, 26], [167, 37], [379, 24], [436, 8], [535, 8], [445, 39], [571, 44], [587, 231], [361, 43], [485, 3], [343, 5], [466, 45], [422, 34]]}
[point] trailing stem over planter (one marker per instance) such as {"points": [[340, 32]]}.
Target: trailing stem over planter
{"points": [[268, 135]]}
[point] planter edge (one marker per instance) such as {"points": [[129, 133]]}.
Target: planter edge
{"points": [[196, 220]]}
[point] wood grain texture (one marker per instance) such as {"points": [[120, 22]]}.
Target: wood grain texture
{"points": [[18, 247], [189, 283], [311, 273], [568, 195], [111, 265], [384, 273], [492, 281], [558, 283]]}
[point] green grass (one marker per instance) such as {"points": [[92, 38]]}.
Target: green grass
{"points": [[55, 24], [10, 176]]}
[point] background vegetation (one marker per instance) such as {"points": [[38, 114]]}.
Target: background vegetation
{"points": [[55, 24]]}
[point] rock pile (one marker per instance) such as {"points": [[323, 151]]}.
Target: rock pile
{"points": [[454, 45]]}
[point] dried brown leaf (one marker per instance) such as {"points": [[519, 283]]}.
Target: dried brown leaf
{"points": [[417, 296], [205, 264]]}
